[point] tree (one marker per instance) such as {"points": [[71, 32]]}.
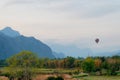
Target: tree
{"points": [[88, 65], [69, 62], [24, 60], [77, 63], [97, 63], [112, 67]]}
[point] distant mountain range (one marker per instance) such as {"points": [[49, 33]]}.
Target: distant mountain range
{"points": [[118, 54], [75, 51], [11, 42], [110, 53], [70, 50], [59, 55]]}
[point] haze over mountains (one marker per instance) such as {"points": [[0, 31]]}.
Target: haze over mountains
{"points": [[75, 51], [11, 42]]}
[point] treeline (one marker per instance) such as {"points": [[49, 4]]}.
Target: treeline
{"points": [[100, 65], [95, 65]]}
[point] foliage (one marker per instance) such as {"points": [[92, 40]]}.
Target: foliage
{"points": [[88, 65], [20, 65], [55, 78], [25, 63], [23, 59], [3, 63]]}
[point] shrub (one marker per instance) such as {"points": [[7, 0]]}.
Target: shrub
{"points": [[55, 78], [59, 78], [51, 78]]}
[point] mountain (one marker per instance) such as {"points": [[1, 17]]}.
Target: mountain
{"points": [[10, 32], [13, 43], [109, 53], [75, 51], [59, 55], [118, 54], [70, 50]]}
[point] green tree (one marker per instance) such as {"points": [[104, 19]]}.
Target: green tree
{"points": [[97, 64], [112, 67], [69, 62], [77, 63], [24, 61], [88, 65]]}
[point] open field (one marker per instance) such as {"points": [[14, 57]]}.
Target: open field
{"points": [[68, 77], [100, 78], [45, 76], [42, 74]]}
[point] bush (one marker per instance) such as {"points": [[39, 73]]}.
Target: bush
{"points": [[111, 72], [104, 72], [70, 73], [59, 78], [76, 72], [55, 78], [51, 78]]}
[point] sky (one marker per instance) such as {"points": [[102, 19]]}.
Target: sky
{"points": [[65, 22]]}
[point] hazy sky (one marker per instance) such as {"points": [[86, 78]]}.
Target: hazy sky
{"points": [[76, 22]]}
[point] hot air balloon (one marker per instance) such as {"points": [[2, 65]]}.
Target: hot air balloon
{"points": [[97, 40]]}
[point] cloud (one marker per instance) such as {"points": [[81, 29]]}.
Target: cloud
{"points": [[101, 10], [63, 20], [81, 8], [35, 2], [10, 3]]}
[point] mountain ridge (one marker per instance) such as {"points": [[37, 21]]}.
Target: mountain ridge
{"points": [[10, 45], [10, 32]]}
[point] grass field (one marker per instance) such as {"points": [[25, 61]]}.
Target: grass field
{"points": [[100, 78], [68, 77], [42, 74]]}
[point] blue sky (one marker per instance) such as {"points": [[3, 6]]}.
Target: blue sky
{"points": [[65, 22]]}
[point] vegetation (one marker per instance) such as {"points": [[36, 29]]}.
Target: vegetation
{"points": [[24, 65], [55, 78], [20, 65], [91, 65], [100, 78]]}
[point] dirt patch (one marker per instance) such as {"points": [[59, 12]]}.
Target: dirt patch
{"points": [[3, 78], [44, 77]]}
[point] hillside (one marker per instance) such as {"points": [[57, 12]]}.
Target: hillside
{"points": [[12, 43]]}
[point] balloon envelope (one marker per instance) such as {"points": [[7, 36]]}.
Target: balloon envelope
{"points": [[97, 40]]}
